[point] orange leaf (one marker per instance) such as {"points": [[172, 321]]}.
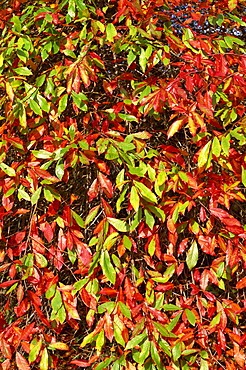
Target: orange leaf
{"points": [[176, 126], [241, 284], [21, 362]]}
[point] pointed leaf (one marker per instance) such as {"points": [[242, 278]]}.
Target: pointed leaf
{"points": [[192, 256]]}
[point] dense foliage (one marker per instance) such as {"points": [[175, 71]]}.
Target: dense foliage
{"points": [[122, 184]]}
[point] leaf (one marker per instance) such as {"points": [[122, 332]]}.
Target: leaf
{"points": [[176, 126], [35, 349], [155, 355], [21, 362], [241, 283], [190, 316], [134, 198], [107, 267], [59, 345], [8, 170], [105, 184], [92, 214], [232, 4], [204, 155], [164, 332], [23, 71], [8, 283], [81, 363], [44, 362], [118, 224], [42, 154], [35, 196], [216, 148], [244, 176], [35, 107], [62, 104], [192, 256], [135, 341], [105, 363], [125, 310], [171, 307], [145, 192], [111, 32]]}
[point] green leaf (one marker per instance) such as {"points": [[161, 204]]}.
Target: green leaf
{"points": [[192, 256], [8, 170], [35, 196], [171, 307], [35, 349], [165, 346], [105, 363], [42, 154], [100, 340], [244, 176], [78, 219], [163, 331], [155, 355], [41, 261], [61, 315], [131, 57], [17, 23], [145, 350], [127, 242], [35, 107], [204, 365], [225, 143], [190, 316], [107, 267], [130, 118], [56, 302], [145, 192], [216, 320], [134, 198], [44, 105], [59, 170], [216, 148], [135, 341], [118, 224], [125, 310], [111, 32], [79, 101], [111, 240], [204, 155], [62, 104], [23, 71], [44, 362], [176, 351], [149, 219], [92, 214]]}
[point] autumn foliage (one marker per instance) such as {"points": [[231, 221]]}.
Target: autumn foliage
{"points": [[122, 184]]}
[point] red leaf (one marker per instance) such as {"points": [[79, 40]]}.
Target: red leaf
{"points": [[88, 299], [241, 284], [8, 283], [34, 298], [21, 362], [158, 315], [108, 291], [105, 184], [108, 327], [164, 287], [182, 246], [211, 297], [82, 363], [93, 190], [232, 223]]}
